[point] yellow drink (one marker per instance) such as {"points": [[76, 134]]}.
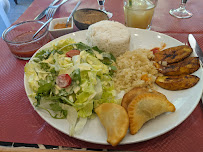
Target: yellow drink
{"points": [[139, 16]]}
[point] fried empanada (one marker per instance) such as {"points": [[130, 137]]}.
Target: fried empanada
{"points": [[177, 82], [115, 120], [145, 107], [128, 97], [173, 54]]}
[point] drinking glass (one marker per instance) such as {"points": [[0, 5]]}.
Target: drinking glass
{"points": [[102, 8], [139, 13], [181, 12]]}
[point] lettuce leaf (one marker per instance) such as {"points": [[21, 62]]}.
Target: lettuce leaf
{"points": [[80, 125], [86, 111], [72, 117], [63, 45]]}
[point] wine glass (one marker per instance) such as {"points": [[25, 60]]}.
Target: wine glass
{"points": [[181, 12], [102, 8]]}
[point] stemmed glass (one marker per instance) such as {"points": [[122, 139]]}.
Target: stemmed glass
{"points": [[102, 8], [181, 12]]}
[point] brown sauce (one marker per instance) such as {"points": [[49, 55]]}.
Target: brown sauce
{"points": [[90, 17]]}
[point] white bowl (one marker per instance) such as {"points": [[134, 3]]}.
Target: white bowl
{"points": [[62, 31]]}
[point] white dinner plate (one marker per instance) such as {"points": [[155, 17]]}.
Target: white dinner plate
{"points": [[185, 101]]}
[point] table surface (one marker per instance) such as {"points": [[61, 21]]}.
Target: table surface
{"points": [[20, 123]]}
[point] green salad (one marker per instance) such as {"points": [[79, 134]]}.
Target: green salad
{"points": [[70, 79]]}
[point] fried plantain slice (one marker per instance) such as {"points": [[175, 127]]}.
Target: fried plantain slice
{"points": [[145, 107], [173, 54], [187, 66], [177, 82], [128, 97], [115, 120]]}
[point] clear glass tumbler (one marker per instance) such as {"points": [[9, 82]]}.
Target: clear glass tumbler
{"points": [[19, 38], [139, 13]]}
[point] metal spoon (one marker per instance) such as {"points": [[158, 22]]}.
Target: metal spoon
{"points": [[77, 5], [42, 27]]}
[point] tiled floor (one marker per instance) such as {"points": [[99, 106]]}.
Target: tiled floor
{"points": [[15, 12]]}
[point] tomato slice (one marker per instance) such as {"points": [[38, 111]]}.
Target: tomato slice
{"points": [[63, 80], [155, 50], [72, 53]]}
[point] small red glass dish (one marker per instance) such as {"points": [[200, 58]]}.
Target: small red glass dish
{"points": [[19, 38]]}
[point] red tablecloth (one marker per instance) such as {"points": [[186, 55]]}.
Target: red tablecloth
{"points": [[20, 123]]}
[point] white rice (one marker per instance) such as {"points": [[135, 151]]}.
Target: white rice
{"points": [[109, 36]]}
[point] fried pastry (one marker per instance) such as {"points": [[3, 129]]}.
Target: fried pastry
{"points": [[173, 54], [145, 107], [177, 82], [115, 120], [128, 97]]}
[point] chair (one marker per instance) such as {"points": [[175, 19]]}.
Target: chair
{"points": [[4, 8]]}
